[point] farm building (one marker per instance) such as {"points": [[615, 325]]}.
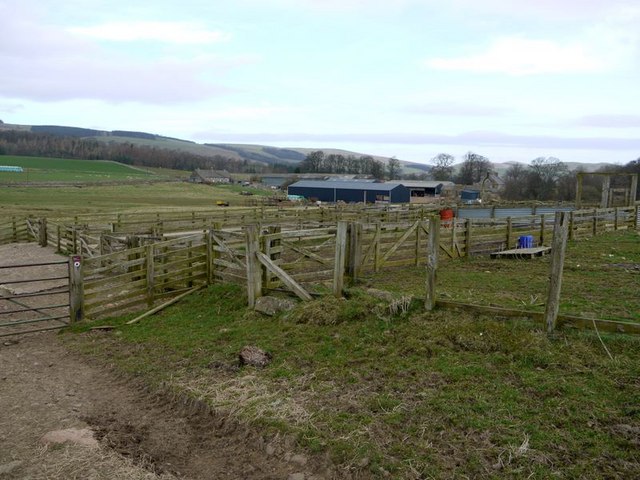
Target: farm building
{"points": [[200, 175], [470, 196], [280, 179], [350, 191], [426, 192], [10, 168]]}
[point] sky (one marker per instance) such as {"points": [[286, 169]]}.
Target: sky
{"points": [[509, 79]]}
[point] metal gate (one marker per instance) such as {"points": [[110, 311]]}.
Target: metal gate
{"points": [[34, 295]]}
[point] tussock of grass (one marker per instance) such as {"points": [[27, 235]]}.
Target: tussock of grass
{"points": [[330, 310]]}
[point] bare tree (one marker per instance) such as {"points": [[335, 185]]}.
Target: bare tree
{"points": [[543, 178], [515, 182], [393, 168], [442, 166], [474, 169]]}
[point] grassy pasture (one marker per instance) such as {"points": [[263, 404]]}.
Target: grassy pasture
{"points": [[417, 395], [600, 279], [40, 169], [26, 200]]}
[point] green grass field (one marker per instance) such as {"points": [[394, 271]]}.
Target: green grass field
{"points": [[416, 395], [22, 199], [600, 279], [40, 169]]}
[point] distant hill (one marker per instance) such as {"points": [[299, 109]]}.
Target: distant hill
{"points": [[259, 154]]}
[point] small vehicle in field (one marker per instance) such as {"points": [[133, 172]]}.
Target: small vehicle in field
{"points": [[222, 203]]}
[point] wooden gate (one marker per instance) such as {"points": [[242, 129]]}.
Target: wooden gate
{"points": [[34, 295]]}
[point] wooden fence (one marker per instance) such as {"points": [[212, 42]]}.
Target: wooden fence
{"points": [[141, 275], [122, 271], [146, 273], [14, 230], [306, 255], [98, 235]]}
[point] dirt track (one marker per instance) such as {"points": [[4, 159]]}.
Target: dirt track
{"points": [[45, 388]]}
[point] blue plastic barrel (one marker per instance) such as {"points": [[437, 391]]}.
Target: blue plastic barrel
{"points": [[525, 241]]}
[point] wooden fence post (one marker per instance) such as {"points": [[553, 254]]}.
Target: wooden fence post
{"points": [[190, 264], [355, 250], [377, 254], [150, 275], [558, 249], [433, 246], [595, 222], [571, 225], [468, 236], [509, 232], [76, 289], [340, 258], [254, 267], [42, 233], [74, 238], [417, 244], [542, 225], [272, 248], [209, 246], [14, 228]]}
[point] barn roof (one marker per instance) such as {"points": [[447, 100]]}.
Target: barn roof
{"points": [[347, 185], [426, 184]]}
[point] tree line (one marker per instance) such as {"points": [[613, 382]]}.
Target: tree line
{"points": [[545, 178], [14, 142], [319, 162]]}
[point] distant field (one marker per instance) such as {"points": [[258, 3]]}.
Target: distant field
{"points": [[39, 169], [26, 200]]}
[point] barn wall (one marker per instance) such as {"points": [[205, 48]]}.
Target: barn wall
{"points": [[400, 194]]}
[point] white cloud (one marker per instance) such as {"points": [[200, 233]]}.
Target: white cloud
{"points": [[45, 63], [522, 56], [457, 109], [467, 139], [109, 79], [260, 112], [609, 121], [181, 33], [10, 107]]}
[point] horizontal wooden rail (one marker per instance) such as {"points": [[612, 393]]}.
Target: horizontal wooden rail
{"points": [[563, 320]]}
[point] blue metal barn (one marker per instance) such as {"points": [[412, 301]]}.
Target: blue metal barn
{"points": [[349, 191]]}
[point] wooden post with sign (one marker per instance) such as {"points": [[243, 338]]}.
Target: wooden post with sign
{"points": [[76, 289]]}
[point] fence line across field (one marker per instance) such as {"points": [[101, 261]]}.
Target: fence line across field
{"points": [[306, 256]]}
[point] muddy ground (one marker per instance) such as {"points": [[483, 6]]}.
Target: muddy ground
{"points": [[131, 433]]}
